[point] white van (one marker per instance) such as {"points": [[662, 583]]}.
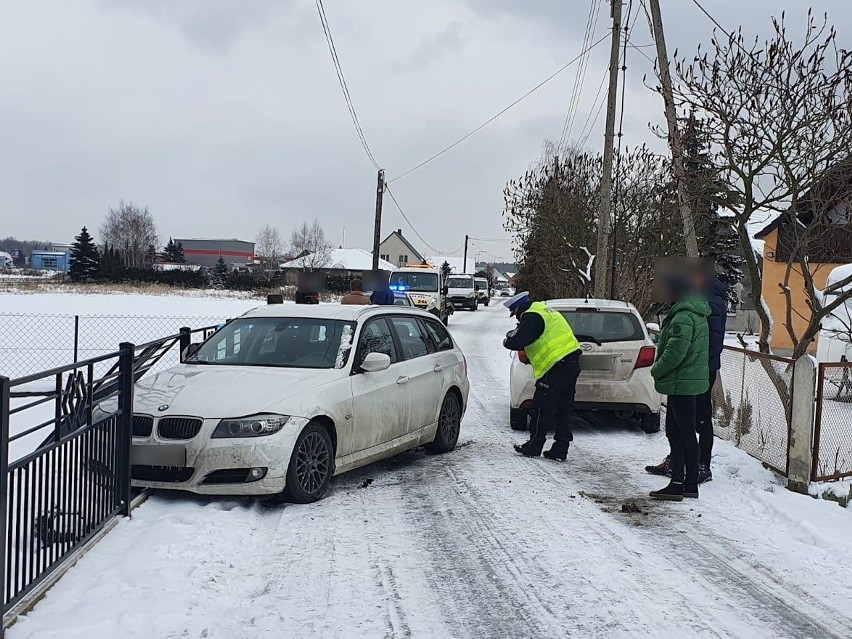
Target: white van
{"points": [[422, 286], [461, 291], [482, 292]]}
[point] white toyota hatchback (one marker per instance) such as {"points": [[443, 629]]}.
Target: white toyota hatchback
{"points": [[285, 396], [615, 366]]}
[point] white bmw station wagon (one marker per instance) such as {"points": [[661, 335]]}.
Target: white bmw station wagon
{"points": [[285, 396]]}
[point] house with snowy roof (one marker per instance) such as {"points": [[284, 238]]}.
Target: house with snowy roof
{"points": [[817, 231]]}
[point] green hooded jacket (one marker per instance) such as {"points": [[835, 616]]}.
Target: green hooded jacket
{"points": [[683, 350]]}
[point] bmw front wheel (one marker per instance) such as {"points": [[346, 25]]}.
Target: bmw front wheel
{"points": [[449, 426], [311, 465]]}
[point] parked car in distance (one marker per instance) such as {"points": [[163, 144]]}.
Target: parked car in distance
{"points": [[285, 396], [615, 365], [483, 294], [461, 291]]}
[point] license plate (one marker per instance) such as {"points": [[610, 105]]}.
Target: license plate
{"points": [[595, 362], [158, 455]]}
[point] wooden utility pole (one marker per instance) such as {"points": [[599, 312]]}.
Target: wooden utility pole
{"points": [[604, 219], [675, 143], [377, 229], [464, 263]]}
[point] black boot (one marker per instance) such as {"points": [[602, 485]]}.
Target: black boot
{"points": [[690, 490], [663, 469], [704, 473], [557, 452], [528, 450], [672, 492]]}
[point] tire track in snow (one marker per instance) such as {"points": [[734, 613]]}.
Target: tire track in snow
{"points": [[747, 585]]}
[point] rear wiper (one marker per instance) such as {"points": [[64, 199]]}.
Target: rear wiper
{"points": [[588, 338]]}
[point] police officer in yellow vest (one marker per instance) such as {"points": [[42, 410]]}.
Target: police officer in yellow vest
{"points": [[554, 353]]}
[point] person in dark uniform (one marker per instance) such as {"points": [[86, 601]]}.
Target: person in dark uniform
{"points": [[549, 344]]}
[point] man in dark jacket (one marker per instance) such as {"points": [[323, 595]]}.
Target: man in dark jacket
{"points": [[716, 295]]}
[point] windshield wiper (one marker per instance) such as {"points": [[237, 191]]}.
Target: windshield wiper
{"points": [[587, 338]]}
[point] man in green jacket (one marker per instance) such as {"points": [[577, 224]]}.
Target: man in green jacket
{"points": [[682, 372]]}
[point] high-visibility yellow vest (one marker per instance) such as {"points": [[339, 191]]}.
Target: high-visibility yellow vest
{"points": [[555, 343]]}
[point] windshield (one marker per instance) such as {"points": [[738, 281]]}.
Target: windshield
{"points": [[604, 326], [460, 281], [417, 282], [284, 342], [481, 282]]}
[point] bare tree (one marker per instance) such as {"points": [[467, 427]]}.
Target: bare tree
{"points": [[131, 230], [778, 118], [308, 242], [268, 247], [552, 212]]}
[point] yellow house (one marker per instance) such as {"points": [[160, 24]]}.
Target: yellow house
{"points": [[833, 249]]}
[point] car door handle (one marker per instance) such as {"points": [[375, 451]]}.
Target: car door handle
{"points": [[402, 380], [438, 368]]}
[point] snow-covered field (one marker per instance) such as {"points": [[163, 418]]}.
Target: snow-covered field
{"points": [[37, 329], [477, 543]]}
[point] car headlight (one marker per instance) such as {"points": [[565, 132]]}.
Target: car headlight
{"points": [[471, 294], [105, 409], [257, 426]]}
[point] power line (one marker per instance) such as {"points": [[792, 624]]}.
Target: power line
{"points": [[712, 19], [580, 77], [342, 81], [405, 217], [644, 55], [594, 114], [483, 239], [497, 115]]}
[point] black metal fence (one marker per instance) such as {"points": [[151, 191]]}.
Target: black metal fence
{"points": [[833, 425], [65, 437], [752, 401], [31, 342]]}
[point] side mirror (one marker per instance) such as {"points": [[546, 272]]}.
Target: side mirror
{"points": [[191, 350], [375, 362], [445, 290], [655, 338], [652, 327]]}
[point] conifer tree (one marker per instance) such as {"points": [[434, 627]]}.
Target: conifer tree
{"points": [[85, 259]]}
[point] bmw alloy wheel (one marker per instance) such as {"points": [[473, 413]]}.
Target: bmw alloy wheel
{"points": [[312, 463]]}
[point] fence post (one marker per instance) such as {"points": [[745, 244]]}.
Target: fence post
{"points": [[76, 338], [124, 437], [5, 385], [801, 444], [185, 340]]}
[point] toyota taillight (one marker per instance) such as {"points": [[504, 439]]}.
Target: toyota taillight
{"points": [[646, 357]]}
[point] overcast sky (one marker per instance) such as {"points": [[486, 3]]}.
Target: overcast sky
{"points": [[224, 115]]}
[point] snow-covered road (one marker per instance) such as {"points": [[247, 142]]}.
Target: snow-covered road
{"points": [[477, 543]]}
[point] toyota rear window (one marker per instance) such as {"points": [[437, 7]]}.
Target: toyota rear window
{"points": [[604, 326]]}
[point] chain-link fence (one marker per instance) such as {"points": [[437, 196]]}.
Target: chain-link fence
{"points": [[30, 343], [752, 400], [833, 426]]}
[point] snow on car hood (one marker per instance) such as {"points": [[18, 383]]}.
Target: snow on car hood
{"points": [[217, 392]]}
